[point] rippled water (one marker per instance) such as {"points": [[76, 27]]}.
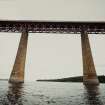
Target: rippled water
{"points": [[50, 93]]}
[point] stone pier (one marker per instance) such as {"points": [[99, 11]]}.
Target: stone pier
{"points": [[89, 72], [17, 74]]}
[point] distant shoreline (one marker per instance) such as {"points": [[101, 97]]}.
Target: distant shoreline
{"points": [[71, 79], [3, 79]]}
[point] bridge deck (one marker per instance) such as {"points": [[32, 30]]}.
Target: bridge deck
{"points": [[66, 27]]}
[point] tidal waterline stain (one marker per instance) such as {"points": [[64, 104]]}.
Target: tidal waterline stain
{"points": [[50, 93]]}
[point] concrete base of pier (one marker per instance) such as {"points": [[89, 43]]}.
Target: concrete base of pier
{"points": [[90, 81]]}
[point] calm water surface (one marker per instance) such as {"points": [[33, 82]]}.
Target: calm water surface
{"points": [[50, 93]]}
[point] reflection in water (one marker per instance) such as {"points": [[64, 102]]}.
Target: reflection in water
{"points": [[91, 96], [14, 94], [50, 93]]}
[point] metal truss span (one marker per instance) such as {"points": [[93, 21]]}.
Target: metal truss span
{"points": [[64, 27]]}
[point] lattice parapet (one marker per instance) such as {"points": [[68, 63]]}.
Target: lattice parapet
{"points": [[52, 27]]}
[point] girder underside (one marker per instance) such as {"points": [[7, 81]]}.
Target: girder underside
{"points": [[52, 27]]}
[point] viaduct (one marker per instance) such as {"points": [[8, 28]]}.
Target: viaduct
{"points": [[63, 27]]}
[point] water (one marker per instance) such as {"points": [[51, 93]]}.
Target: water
{"points": [[50, 93]]}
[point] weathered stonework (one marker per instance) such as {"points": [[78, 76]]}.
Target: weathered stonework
{"points": [[17, 74], [89, 72]]}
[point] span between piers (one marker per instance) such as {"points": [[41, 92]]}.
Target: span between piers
{"points": [[65, 27]]}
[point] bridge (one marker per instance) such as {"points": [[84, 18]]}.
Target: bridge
{"points": [[65, 27]]}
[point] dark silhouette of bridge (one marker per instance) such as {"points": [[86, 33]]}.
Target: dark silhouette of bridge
{"points": [[65, 27]]}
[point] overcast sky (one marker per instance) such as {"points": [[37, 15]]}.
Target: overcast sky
{"points": [[51, 55]]}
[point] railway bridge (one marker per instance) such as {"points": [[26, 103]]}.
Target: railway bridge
{"points": [[63, 27]]}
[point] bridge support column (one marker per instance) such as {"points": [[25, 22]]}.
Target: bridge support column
{"points": [[89, 72], [17, 74]]}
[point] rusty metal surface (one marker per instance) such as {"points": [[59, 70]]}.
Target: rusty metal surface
{"points": [[64, 27]]}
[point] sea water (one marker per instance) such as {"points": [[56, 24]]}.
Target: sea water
{"points": [[50, 93]]}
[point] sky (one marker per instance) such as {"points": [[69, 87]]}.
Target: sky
{"points": [[51, 55]]}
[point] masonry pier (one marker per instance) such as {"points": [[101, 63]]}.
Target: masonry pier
{"points": [[17, 74], [89, 72]]}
